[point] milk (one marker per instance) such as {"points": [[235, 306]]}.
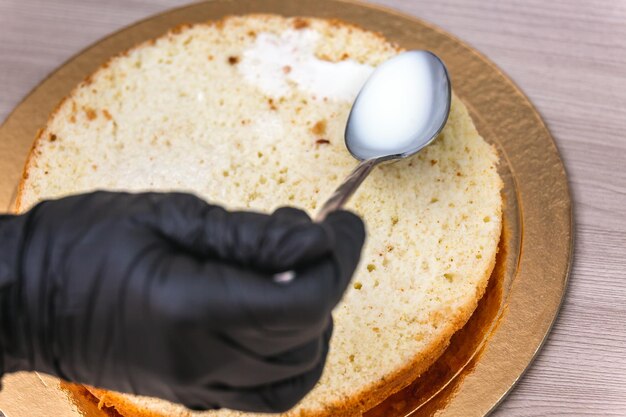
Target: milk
{"points": [[278, 63], [398, 103]]}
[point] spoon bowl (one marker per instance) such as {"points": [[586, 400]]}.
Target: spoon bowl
{"points": [[401, 108]]}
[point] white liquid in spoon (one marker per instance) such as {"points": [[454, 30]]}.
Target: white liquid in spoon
{"points": [[397, 110]]}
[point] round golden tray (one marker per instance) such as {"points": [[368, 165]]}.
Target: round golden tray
{"points": [[485, 358]]}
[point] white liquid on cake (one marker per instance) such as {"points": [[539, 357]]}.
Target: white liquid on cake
{"points": [[276, 63], [407, 89]]}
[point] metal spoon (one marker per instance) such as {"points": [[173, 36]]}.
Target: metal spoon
{"points": [[400, 110]]}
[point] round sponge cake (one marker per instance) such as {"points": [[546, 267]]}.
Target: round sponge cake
{"points": [[249, 112]]}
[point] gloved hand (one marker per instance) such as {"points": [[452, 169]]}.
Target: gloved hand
{"points": [[164, 295]]}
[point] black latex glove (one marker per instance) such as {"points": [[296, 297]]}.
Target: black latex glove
{"points": [[167, 296]]}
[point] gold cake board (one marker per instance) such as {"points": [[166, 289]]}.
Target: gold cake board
{"points": [[531, 273]]}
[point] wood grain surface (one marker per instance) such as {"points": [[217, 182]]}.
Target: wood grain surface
{"points": [[569, 57]]}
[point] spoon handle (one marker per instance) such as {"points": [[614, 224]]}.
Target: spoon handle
{"points": [[336, 201], [343, 193]]}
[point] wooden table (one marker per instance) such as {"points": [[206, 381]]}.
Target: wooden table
{"points": [[570, 59]]}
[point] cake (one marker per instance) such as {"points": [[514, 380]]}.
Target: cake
{"points": [[249, 112]]}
